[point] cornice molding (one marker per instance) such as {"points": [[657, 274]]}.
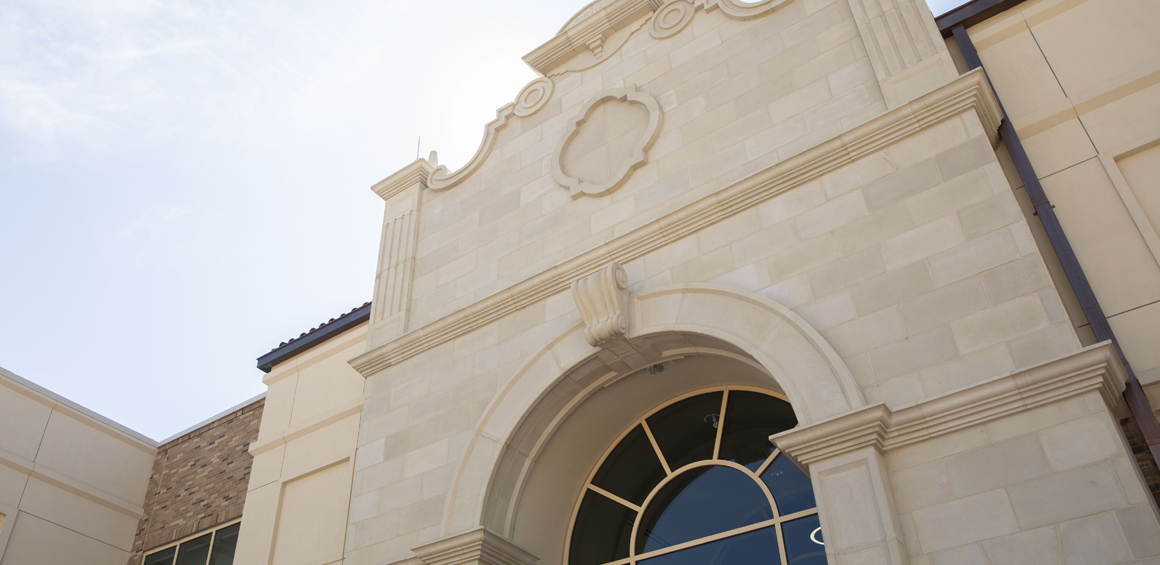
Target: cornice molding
{"points": [[580, 36], [476, 547], [1096, 368], [969, 93], [415, 173]]}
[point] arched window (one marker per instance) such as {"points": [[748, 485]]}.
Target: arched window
{"points": [[686, 486]]}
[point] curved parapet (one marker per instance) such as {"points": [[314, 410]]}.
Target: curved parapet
{"points": [[531, 98]]}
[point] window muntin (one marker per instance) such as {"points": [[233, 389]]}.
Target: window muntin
{"points": [[213, 548], [723, 495]]}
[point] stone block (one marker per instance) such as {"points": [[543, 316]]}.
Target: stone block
{"points": [[963, 555], [768, 141], [1067, 495], [950, 197], [1081, 442], [866, 332], [973, 257], [425, 458], [763, 243], [920, 486], [1000, 323], [847, 271], [802, 258], [892, 287], [966, 370], [927, 144], [922, 242], [913, 353], [1093, 539], [1044, 345], [974, 154], [829, 311], [989, 215], [789, 204], [1039, 546], [943, 305], [874, 229], [901, 185], [832, 214], [965, 520], [857, 174], [1015, 279], [998, 465], [1141, 530]]}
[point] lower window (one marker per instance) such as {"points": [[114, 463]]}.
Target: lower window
{"points": [[213, 548], [697, 482]]}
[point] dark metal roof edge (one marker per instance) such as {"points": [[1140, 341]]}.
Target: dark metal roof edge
{"points": [[317, 337], [972, 13]]}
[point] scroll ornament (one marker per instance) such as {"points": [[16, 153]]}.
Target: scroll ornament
{"points": [[603, 302]]}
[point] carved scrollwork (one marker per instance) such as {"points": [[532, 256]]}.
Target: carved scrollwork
{"points": [[603, 302], [619, 172], [534, 96], [671, 18]]}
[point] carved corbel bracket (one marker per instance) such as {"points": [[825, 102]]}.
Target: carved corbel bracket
{"points": [[603, 302], [476, 547]]}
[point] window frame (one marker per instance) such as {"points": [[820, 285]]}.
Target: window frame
{"points": [[213, 538], [671, 474]]}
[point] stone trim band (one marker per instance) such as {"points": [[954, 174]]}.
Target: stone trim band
{"points": [[969, 93], [1095, 368]]}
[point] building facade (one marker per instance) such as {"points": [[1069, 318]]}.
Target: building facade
{"points": [[783, 282], [807, 201]]}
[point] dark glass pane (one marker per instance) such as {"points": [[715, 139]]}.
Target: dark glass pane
{"points": [[224, 543], [603, 528], [752, 548], [791, 488], [632, 470], [701, 502], [804, 544], [687, 431], [750, 418], [161, 557], [194, 551]]}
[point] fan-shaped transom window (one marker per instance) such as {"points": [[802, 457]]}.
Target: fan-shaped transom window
{"points": [[697, 482]]}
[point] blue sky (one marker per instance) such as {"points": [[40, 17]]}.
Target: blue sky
{"points": [[185, 184]]}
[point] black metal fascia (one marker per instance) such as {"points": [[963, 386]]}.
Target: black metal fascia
{"points": [[314, 338], [972, 13], [1133, 392]]}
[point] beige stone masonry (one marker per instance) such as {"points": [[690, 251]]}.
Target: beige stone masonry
{"points": [[905, 47], [967, 94], [396, 265], [476, 547], [1096, 368]]}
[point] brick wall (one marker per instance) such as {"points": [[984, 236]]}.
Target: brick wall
{"points": [[199, 480]]}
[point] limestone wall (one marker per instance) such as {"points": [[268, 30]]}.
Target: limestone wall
{"points": [[1078, 80], [298, 497], [852, 195], [72, 484]]}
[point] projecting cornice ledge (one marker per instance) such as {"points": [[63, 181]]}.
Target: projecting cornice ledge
{"points": [[1094, 369], [476, 547], [970, 93]]}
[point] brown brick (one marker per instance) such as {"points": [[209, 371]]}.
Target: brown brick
{"points": [[198, 481]]}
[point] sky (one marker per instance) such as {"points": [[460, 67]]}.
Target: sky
{"points": [[185, 184]]}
